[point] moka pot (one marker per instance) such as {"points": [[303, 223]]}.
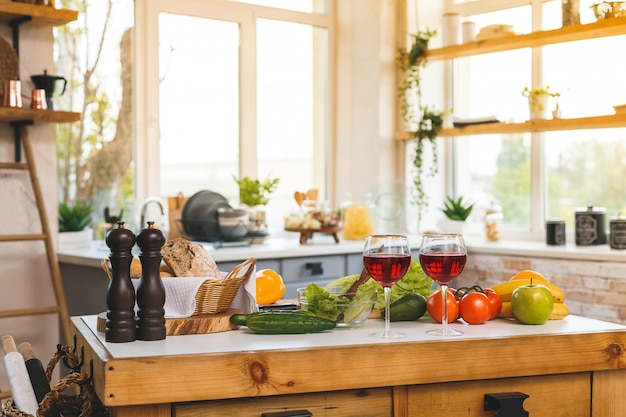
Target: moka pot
{"points": [[48, 83]]}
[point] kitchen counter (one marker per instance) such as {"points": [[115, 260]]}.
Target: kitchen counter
{"points": [[320, 245], [574, 367]]}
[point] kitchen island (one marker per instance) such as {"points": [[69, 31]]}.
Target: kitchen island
{"points": [[572, 367]]}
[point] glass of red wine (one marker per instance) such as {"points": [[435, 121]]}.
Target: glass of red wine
{"points": [[387, 259], [443, 258]]}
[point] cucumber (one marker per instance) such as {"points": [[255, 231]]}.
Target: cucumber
{"points": [[239, 319], [283, 322]]}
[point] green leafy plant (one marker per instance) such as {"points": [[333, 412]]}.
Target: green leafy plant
{"points": [[423, 122], [253, 192], [457, 209], [74, 218]]}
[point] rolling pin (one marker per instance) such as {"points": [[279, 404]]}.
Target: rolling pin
{"points": [[37, 376], [17, 374]]}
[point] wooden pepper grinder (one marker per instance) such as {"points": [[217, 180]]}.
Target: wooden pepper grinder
{"points": [[150, 291], [120, 323]]}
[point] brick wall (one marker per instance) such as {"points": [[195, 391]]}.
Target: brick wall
{"points": [[592, 289]]}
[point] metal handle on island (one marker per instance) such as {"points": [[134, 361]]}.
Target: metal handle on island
{"points": [[507, 404], [314, 267], [292, 413]]}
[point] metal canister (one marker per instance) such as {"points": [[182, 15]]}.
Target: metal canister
{"points": [[617, 228], [555, 232], [590, 226]]}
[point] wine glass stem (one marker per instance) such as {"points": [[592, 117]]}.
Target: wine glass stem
{"points": [[387, 293], [444, 308]]}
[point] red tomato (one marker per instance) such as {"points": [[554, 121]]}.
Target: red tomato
{"points": [[475, 308], [433, 305], [495, 300]]}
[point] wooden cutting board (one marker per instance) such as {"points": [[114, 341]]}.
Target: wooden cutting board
{"points": [[200, 324]]}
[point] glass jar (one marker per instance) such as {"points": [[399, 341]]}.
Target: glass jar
{"points": [[493, 222]]}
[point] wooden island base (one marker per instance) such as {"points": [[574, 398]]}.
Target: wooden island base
{"points": [[574, 367]]}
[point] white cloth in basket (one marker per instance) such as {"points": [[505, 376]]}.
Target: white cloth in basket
{"points": [[180, 294]]}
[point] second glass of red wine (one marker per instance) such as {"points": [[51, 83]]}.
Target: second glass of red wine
{"points": [[387, 259], [443, 258]]}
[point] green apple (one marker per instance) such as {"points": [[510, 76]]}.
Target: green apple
{"points": [[532, 304]]}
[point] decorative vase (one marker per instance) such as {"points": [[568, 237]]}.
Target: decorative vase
{"points": [[75, 240]]}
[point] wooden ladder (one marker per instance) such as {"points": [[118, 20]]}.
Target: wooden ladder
{"points": [[22, 138]]}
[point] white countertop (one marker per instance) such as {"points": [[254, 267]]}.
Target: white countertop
{"points": [[242, 340], [321, 245]]}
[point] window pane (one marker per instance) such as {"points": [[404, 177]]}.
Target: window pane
{"points": [[585, 168], [292, 81], [199, 104]]}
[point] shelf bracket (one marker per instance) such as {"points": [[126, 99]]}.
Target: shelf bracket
{"points": [[17, 138], [15, 26]]}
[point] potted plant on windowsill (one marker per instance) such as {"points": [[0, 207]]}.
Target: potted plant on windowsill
{"points": [[74, 225], [255, 194], [422, 122], [538, 101], [457, 212]]}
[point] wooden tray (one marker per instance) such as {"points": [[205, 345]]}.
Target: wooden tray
{"points": [[200, 324], [305, 234]]}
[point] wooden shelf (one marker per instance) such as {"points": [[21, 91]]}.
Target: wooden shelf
{"points": [[41, 15], [603, 28], [598, 122], [13, 114]]}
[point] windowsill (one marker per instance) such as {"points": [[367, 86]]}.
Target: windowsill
{"points": [[598, 253]]}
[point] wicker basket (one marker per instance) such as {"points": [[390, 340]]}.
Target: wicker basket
{"points": [[215, 296]]}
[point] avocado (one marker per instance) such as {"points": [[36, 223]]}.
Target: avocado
{"points": [[407, 307]]}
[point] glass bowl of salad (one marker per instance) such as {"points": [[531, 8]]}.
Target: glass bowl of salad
{"points": [[350, 310]]}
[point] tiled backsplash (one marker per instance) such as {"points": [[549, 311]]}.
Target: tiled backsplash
{"points": [[592, 289]]}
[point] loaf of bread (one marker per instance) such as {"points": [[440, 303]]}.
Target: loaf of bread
{"points": [[189, 260]]}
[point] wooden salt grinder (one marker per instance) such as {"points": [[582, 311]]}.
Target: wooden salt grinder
{"points": [[120, 323], [150, 291]]}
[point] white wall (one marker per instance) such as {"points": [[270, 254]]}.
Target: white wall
{"points": [[24, 277]]}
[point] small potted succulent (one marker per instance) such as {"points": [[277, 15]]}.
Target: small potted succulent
{"points": [[457, 212], [74, 225]]}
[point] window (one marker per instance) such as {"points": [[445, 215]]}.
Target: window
{"points": [[241, 91], [539, 176]]}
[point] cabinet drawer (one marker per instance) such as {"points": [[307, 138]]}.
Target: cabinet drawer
{"points": [[353, 403], [299, 272], [567, 395]]}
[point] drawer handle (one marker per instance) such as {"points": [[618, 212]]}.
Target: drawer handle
{"points": [[507, 404], [314, 267], [292, 413]]}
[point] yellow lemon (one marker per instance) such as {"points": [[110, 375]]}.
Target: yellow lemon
{"points": [[269, 286]]}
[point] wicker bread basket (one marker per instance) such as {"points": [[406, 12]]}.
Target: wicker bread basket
{"points": [[215, 295]]}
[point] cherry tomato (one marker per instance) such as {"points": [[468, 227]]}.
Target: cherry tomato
{"points": [[475, 308], [433, 305], [495, 300]]}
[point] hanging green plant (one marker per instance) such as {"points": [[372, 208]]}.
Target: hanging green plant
{"points": [[425, 128]]}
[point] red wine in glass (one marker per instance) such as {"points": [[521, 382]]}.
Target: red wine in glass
{"points": [[443, 258], [387, 258], [443, 267], [387, 268]]}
